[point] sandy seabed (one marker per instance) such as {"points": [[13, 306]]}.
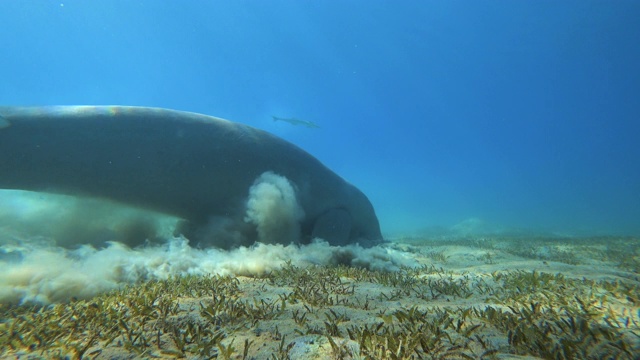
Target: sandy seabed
{"points": [[476, 297]]}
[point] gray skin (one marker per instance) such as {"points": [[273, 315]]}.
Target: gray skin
{"points": [[192, 166]]}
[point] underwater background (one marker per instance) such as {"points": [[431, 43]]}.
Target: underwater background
{"points": [[495, 115], [497, 140]]}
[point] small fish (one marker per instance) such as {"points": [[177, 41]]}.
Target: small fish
{"points": [[294, 121], [4, 123]]}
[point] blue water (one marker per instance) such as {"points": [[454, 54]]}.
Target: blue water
{"points": [[523, 114]]}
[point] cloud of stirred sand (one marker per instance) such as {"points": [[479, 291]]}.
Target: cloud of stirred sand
{"points": [[33, 268]]}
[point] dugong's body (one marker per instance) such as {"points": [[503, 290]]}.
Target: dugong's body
{"points": [[189, 165]]}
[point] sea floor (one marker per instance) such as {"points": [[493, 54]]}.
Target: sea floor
{"points": [[482, 297]]}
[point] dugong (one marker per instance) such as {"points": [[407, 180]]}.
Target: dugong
{"points": [[202, 169]]}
